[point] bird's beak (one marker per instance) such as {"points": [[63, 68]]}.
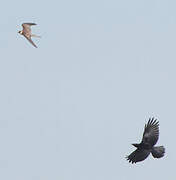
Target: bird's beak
{"points": [[135, 145]]}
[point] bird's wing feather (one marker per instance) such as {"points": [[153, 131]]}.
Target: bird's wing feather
{"points": [[27, 27], [28, 24], [151, 132], [30, 40], [138, 155]]}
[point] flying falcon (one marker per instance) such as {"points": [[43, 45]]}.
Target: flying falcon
{"points": [[150, 137], [26, 32]]}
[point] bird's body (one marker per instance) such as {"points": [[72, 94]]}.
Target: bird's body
{"points": [[26, 32], [150, 137], [142, 146]]}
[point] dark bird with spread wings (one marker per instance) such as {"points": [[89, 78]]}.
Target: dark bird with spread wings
{"points": [[150, 137], [26, 32]]}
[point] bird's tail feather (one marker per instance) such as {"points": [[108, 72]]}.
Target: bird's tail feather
{"points": [[33, 35], [158, 151]]}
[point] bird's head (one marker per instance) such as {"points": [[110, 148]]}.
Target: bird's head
{"points": [[20, 32], [136, 145]]}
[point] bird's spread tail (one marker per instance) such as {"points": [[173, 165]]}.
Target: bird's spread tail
{"points": [[158, 151]]}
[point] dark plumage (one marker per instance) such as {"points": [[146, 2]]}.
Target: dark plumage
{"points": [[150, 138]]}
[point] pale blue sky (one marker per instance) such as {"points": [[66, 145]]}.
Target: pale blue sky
{"points": [[71, 108]]}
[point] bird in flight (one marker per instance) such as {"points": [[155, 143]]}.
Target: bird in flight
{"points": [[26, 32], [150, 138]]}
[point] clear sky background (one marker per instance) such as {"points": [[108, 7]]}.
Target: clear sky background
{"points": [[71, 108]]}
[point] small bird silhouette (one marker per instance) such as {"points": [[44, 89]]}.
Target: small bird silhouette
{"points": [[150, 138], [26, 32]]}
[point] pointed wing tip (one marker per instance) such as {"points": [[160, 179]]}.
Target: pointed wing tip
{"points": [[30, 40], [34, 45]]}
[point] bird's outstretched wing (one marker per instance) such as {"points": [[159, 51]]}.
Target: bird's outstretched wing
{"points": [[27, 27], [138, 155], [30, 40], [151, 132]]}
